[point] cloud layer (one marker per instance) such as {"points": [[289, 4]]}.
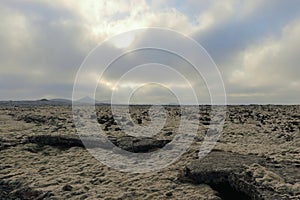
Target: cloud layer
{"points": [[255, 44]]}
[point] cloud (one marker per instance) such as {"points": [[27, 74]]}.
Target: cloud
{"points": [[241, 24], [271, 66], [43, 43]]}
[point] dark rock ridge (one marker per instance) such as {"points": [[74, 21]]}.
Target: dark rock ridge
{"points": [[128, 143], [63, 141], [139, 144], [243, 176]]}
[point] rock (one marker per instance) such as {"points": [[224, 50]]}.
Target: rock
{"points": [[139, 144], [169, 133], [106, 128], [118, 129], [239, 176], [106, 119], [128, 143], [205, 122], [295, 123], [41, 119], [28, 193], [56, 140], [139, 120], [34, 119], [102, 120], [66, 141], [10, 190], [5, 167], [198, 138], [169, 194], [67, 188], [96, 181]]}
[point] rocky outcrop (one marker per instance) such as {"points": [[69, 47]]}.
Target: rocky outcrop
{"points": [[56, 140], [139, 144], [128, 143], [241, 176]]}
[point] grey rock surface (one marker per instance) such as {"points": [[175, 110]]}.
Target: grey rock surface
{"points": [[250, 176]]}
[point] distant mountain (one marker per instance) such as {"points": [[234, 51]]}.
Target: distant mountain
{"points": [[43, 100], [38, 102], [62, 100], [57, 101]]}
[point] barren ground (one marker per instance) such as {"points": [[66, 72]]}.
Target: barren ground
{"points": [[31, 170]]}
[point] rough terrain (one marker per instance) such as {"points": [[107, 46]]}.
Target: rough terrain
{"points": [[256, 157]]}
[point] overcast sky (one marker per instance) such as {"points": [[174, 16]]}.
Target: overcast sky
{"points": [[255, 44]]}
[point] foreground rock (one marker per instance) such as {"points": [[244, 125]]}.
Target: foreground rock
{"points": [[56, 140], [243, 176], [10, 190], [128, 143]]}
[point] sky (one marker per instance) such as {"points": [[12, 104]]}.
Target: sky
{"points": [[254, 44]]}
